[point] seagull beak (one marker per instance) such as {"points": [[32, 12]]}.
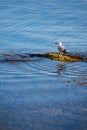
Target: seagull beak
{"points": [[55, 43]]}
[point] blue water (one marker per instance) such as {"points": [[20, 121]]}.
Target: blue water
{"points": [[41, 93]]}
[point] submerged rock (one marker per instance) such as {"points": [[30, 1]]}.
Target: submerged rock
{"points": [[65, 57]]}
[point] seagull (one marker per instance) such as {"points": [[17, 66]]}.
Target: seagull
{"points": [[61, 48]]}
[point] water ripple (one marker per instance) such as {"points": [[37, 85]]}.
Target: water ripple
{"points": [[43, 68]]}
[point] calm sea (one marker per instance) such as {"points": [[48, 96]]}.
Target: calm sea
{"points": [[43, 94]]}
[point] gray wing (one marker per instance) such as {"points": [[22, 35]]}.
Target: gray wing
{"points": [[62, 49]]}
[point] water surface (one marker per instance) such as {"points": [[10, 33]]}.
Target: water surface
{"points": [[41, 93]]}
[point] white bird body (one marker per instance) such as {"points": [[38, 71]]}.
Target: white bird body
{"points": [[61, 48]]}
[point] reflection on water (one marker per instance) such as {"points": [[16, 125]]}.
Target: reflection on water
{"points": [[61, 69], [38, 93]]}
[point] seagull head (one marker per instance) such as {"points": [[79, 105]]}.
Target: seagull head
{"points": [[59, 43]]}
